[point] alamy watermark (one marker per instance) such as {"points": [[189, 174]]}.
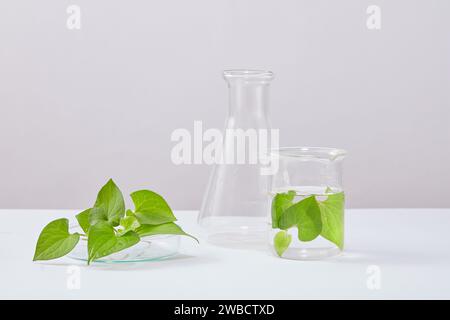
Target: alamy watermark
{"points": [[373, 281], [73, 281], [374, 17], [74, 19], [233, 146]]}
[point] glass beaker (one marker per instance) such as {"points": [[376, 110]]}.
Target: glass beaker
{"points": [[307, 203], [234, 206]]}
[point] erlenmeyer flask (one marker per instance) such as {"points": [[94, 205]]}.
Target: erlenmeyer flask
{"points": [[235, 203]]}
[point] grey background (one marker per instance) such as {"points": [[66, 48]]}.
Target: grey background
{"points": [[78, 107]]}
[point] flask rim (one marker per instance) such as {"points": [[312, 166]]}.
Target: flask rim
{"points": [[327, 153], [248, 74]]}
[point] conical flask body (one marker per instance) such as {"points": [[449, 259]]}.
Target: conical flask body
{"points": [[234, 208]]}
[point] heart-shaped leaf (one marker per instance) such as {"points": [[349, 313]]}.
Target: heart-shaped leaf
{"points": [[280, 203], [281, 242], [102, 241], [110, 203], [151, 208], [332, 213], [306, 215], [55, 240]]}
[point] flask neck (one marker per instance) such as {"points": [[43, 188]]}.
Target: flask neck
{"points": [[248, 98]]}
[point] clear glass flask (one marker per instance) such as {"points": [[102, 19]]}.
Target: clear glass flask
{"points": [[234, 206], [306, 199]]}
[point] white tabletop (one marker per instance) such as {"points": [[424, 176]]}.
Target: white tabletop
{"points": [[390, 253]]}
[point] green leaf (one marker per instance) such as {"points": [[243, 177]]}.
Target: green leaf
{"points": [[97, 214], [281, 242], [281, 202], [310, 221], [110, 200], [332, 213], [166, 228], [102, 241], [306, 215], [55, 241], [129, 213], [83, 220], [128, 223], [151, 208]]}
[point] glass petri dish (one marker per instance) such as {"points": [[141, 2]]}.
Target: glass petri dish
{"points": [[151, 248]]}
